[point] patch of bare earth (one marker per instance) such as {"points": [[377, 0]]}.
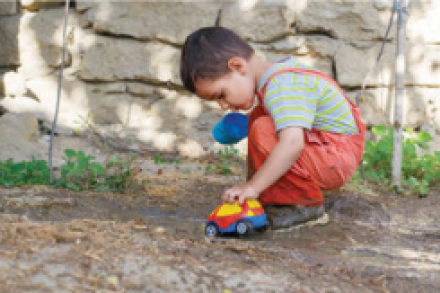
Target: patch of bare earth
{"points": [[55, 240]]}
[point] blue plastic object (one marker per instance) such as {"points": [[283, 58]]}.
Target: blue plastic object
{"points": [[232, 128]]}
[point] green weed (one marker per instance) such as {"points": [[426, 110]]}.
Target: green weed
{"points": [[79, 172], [160, 160], [418, 172], [226, 156], [35, 172]]}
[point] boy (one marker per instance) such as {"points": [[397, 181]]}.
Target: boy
{"points": [[304, 134]]}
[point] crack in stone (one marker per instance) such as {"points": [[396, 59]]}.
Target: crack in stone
{"points": [[153, 83], [280, 37], [8, 68], [316, 32], [3, 111], [334, 70], [107, 34], [218, 18]]}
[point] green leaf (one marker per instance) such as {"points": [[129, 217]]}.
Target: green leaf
{"points": [[409, 130], [424, 137], [380, 130], [73, 186], [74, 171], [97, 169], [70, 153], [113, 159], [424, 187], [423, 145], [413, 182], [18, 167]]}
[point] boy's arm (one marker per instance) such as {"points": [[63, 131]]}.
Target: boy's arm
{"points": [[281, 158]]}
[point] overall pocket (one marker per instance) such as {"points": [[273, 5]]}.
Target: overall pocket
{"points": [[315, 136]]}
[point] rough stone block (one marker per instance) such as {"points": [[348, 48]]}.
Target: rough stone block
{"points": [[424, 21], [353, 62], [18, 129], [8, 8], [421, 105], [357, 20], [41, 39], [305, 45], [170, 21], [108, 59], [83, 5], [261, 23], [9, 53], [13, 84]]}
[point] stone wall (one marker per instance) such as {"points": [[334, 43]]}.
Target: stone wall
{"points": [[123, 57]]}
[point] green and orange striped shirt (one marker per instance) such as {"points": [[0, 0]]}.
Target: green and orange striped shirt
{"points": [[296, 99]]}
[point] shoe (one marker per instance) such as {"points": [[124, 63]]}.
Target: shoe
{"points": [[291, 217]]}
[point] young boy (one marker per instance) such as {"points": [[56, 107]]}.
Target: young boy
{"points": [[304, 134]]}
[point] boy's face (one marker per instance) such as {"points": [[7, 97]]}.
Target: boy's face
{"points": [[232, 91]]}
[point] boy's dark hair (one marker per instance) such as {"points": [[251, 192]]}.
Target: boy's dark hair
{"points": [[206, 53]]}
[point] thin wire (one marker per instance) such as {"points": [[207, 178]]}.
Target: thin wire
{"points": [[60, 80], [374, 68], [379, 56]]}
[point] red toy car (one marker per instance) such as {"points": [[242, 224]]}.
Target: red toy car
{"points": [[233, 218]]}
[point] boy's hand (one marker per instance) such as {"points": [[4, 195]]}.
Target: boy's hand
{"points": [[239, 193]]}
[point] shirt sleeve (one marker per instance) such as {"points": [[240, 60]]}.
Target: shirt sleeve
{"points": [[291, 104]]}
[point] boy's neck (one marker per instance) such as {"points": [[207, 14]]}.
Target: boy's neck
{"points": [[259, 67]]}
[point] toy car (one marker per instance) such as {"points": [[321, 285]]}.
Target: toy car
{"points": [[233, 218]]}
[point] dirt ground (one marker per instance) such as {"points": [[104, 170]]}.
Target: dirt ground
{"points": [[55, 240]]}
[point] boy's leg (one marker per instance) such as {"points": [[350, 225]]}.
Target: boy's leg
{"points": [[293, 200], [296, 187]]}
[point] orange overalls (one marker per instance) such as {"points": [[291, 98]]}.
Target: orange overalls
{"points": [[327, 161]]}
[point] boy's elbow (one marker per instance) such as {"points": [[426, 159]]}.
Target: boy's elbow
{"points": [[292, 136]]}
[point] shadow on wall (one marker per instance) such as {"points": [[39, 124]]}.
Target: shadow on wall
{"points": [[123, 81], [123, 61], [9, 59], [422, 86]]}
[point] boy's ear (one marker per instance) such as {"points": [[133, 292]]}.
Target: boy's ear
{"points": [[237, 64]]}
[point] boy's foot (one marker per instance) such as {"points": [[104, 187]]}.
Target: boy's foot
{"points": [[288, 218]]}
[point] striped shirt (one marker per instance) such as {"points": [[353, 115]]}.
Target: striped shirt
{"points": [[296, 99]]}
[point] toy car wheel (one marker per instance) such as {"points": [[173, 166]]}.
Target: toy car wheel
{"points": [[211, 230], [243, 228]]}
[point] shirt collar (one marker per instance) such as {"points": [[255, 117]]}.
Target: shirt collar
{"points": [[274, 68]]}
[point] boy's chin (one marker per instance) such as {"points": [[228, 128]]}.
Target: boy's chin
{"points": [[248, 107], [243, 108]]}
